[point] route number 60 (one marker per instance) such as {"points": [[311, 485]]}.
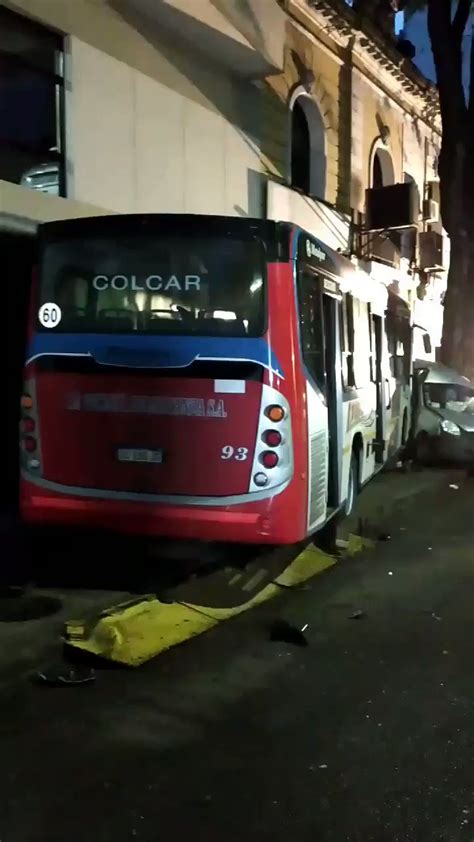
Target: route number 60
{"points": [[238, 453]]}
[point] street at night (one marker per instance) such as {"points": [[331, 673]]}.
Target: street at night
{"points": [[363, 734], [237, 475]]}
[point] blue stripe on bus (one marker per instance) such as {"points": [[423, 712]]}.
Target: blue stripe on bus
{"points": [[135, 351]]}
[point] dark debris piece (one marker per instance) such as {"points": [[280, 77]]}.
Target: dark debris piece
{"points": [[284, 632], [358, 615], [64, 675]]}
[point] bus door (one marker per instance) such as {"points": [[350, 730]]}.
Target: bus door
{"points": [[383, 389], [331, 319], [318, 336]]}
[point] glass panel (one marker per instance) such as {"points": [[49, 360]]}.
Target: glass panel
{"points": [[29, 169], [449, 396], [362, 350], [30, 118], [204, 286], [312, 326], [24, 41], [27, 107]]}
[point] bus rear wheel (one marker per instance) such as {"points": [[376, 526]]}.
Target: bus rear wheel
{"points": [[424, 450], [352, 485]]}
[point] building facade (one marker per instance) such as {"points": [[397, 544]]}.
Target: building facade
{"points": [[296, 110], [144, 109], [291, 109], [371, 132]]}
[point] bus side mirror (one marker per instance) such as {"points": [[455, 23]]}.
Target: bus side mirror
{"points": [[427, 343]]}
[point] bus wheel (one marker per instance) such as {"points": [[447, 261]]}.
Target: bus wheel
{"points": [[423, 450], [352, 486], [404, 429]]}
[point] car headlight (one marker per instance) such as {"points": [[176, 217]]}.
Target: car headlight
{"points": [[450, 427]]}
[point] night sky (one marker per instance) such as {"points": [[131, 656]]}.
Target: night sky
{"points": [[416, 32]]}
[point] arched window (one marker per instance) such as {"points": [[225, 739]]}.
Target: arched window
{"points": [[300, 149], [384, 247], [382, 170], [308, 146], [377, 174]]}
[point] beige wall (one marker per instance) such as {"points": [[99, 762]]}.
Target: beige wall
{"points": [[302, 51], [372, 109], [151, 127]]}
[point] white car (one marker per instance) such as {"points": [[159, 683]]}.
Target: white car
{"points": [[443, 415], [44, 177]]}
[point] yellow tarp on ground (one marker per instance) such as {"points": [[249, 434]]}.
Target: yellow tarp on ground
{"points": [[136, 631]]}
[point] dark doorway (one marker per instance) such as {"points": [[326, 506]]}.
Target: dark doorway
{"points": [[300, 149], [377, 173], [17, 257]]}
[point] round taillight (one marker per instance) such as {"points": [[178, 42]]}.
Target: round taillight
{"points": [[260, 479], [28, 425], [269, 459], [26, 402], [29, 444], [275, 413], [272, 438]]}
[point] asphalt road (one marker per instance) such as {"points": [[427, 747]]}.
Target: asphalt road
{"points": [[367, 733]]}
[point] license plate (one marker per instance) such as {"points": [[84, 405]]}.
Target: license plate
{"points": [[132, 454]]}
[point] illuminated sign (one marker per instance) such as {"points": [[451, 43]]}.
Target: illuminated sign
{"points": [[312, 250], [152, 283]]}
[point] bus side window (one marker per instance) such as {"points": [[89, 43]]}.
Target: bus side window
{"points": [[399, 348], [362, 343], [312, 326], [347, 342]]}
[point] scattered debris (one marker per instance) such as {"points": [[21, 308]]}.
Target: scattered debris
{"points": [[284, 632], [358, 615], [64, 675], [454, 486]]}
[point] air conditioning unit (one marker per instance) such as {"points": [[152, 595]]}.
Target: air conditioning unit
{"points": [[392, 208], [430, 244], [431, 211]]}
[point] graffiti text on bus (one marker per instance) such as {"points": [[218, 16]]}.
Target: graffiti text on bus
{"points": [[146, 405], [153, 283]]}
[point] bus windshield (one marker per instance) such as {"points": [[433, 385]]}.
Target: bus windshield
{"points": [[208, 286]]}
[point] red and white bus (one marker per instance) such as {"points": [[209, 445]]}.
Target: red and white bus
{"points": [[204, 377]]}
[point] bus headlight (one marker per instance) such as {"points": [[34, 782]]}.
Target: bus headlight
{"points": [[450, 427]]}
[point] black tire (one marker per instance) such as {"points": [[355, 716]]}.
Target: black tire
{"points": [[352, 485], [423, 450], [404, 429]]}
